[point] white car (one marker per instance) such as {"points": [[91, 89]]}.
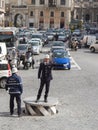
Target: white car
{"points": [[5, 72], [36, 47], [38, 39], [94, 47]]}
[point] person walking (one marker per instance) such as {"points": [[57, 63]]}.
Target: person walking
{"points": [[15, 88], [45, 76]]}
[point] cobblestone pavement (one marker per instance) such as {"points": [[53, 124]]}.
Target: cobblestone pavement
{"points": [[77, 93]]}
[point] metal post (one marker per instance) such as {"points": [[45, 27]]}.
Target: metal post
{"points": [[81, 9]]}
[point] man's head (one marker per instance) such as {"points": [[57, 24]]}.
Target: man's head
{"points": [[14, 70], [47, 58], [29, 49], [13, 48]]}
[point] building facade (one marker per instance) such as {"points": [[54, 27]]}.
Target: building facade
{"points": [[38, 13], [86, 10], [2, 11]]}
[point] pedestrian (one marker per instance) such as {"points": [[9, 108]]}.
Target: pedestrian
{"points": [[15, 88], [33, 62], [45, 76], [56, 37]]}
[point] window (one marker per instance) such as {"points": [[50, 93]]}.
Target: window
{"points": [[33, 2], [62, 14], [42, 2], [52, 2], [31, 24], [41, 13], [52, 14], [63, 2], [31, 13]]}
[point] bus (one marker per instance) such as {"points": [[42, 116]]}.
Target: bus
{"points": [[75, 24], [8, 35]]}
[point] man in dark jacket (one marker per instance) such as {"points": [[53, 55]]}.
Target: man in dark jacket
{"points": [[15, 89], [45, 75], [29, 54]]}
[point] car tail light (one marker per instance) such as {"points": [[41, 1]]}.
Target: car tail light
{"points": [[9, 70]]}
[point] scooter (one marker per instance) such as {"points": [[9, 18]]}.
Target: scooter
{"points": [[28, 62], [74, 45]]}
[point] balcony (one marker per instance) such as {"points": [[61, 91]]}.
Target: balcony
{"points": [[19, 6], [52, 3]]}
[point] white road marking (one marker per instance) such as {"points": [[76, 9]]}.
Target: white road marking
{"points": [[74, 64]]}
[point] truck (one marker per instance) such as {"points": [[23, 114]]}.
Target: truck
{"points": [[88, 40]]}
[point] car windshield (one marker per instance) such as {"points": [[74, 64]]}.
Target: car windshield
{"points": [[22, 47], [37, 36], [58, 44], [61, 34], [34, 43], [53, 49], [60, 54]]}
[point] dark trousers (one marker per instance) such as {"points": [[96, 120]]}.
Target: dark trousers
{"points": [[18, 101], [47, 85]]}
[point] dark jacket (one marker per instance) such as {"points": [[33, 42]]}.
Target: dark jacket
{"points": [[14, 84], [45, 72]]}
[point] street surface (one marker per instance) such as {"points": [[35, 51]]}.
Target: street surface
{"points": [[76, 90]]}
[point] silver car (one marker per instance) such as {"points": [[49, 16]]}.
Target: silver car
{"points": [[36, 47]]}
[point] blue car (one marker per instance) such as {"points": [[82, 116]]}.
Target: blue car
{"points": [[61, 60]]}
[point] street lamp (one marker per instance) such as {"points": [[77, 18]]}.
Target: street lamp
{"points": [[81, 10], [90, 5]]}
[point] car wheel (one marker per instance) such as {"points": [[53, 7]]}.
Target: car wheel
{"points": [[92, 49], [69, 67], [3, 82]]}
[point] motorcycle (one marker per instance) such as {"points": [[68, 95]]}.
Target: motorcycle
{"points": [[74, 45], [28, 62]]}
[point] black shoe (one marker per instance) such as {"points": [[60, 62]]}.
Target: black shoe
{"points": [[36, 100], [45, 100], [19, 115], [11, 113]]}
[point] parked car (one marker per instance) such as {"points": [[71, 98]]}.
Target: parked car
{"points": [[58, 44], [5, 72], [76, 32], [22, 48], [39, 36], [62, 37], [23, 40], [57, 48], [38, 39], [61, 60], [36, 47], [50, 36], [94, 47]]}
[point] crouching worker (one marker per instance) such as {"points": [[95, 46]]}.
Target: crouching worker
{"points": [[15, 89]]}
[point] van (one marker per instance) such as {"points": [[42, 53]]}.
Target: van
{"points": [[88, 40], [3, 50]]}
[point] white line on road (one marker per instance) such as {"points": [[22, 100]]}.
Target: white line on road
{"points": [[75, 64]]}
